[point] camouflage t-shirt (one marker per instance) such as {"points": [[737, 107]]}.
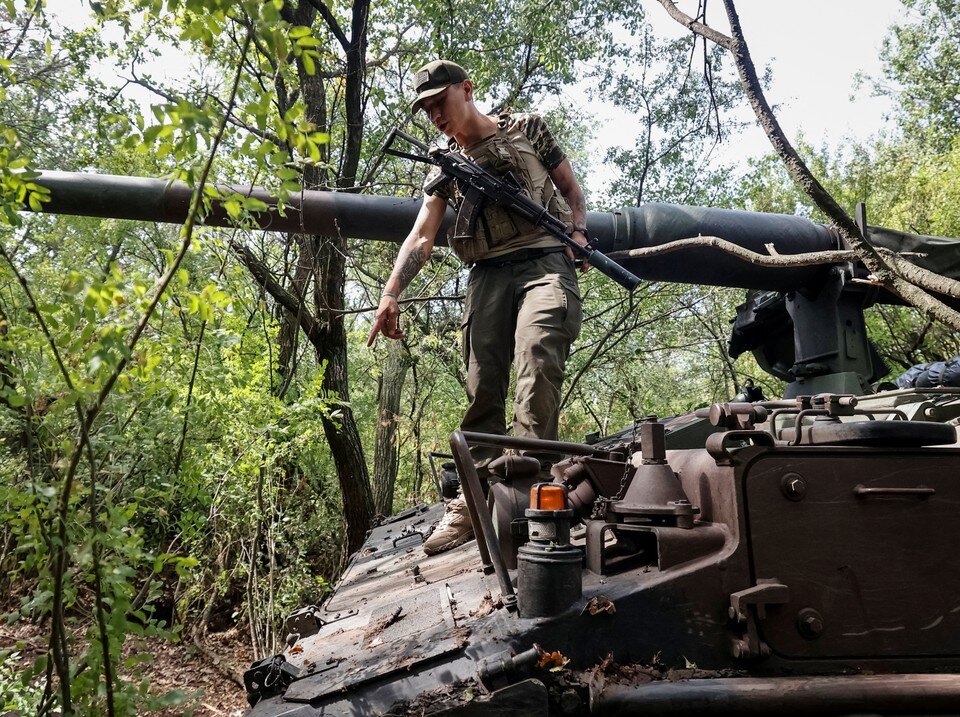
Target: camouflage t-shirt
{"points": [[538, 134]]}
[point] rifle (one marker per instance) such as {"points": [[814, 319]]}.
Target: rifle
{"points": [[479, 186]]}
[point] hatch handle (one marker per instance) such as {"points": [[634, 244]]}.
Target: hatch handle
{"points": [[922, 491]]}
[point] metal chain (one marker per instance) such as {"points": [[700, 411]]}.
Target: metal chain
{"points": [[601, 504], [627, 464]]}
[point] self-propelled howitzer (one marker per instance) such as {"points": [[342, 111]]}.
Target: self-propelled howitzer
{"points": [[791, 555]]}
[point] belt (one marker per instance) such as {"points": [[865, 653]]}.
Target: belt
{"points": [[520, 255]]}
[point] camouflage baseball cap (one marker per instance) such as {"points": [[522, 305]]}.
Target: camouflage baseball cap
{"points": [[434, 78]]}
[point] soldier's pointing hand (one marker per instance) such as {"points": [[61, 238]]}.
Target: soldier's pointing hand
{"points": [[386, 321]]}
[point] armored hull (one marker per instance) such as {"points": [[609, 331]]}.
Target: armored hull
{"points": [[815, 575]]}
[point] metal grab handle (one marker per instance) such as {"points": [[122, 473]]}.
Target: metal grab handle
{"points": [[861, 491], [480, 518]]}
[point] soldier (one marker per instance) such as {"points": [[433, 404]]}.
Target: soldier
{"points": [[523, 302]]}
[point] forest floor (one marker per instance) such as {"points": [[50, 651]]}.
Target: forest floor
{"points": [[173, 666]]}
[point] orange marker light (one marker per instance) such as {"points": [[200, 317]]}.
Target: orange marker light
{"points": [[548, 496]]}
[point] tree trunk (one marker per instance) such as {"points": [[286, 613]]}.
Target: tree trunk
{"points": [[353, 96], [327, 336], [386, 458], [329, 271], [289, 324], [331, 351]]}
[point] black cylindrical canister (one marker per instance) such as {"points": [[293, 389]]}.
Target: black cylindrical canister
{"points": [[548, 567], [548, 578]]}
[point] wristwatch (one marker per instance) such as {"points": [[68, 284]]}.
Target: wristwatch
{"points": [[582, 230]]}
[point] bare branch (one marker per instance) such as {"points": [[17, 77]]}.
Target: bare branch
{"points": [[286, 299], [412, 300], [331, 23], [924, 278], [696, 27], [24, 29], [778, 260]]}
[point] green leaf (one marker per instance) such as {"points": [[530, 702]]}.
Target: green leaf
{"points": [[233, 208]]}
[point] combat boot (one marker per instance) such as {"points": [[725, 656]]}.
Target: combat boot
{"points": [[453, 529]]}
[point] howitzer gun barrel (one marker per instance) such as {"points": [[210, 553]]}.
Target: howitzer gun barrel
{"points": [[654, 224], [389, 219], [112, 196]]}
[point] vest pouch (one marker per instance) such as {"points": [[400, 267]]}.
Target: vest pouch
{"points": [[509, 150], [469, 248], [496, 225], [558, 207]]}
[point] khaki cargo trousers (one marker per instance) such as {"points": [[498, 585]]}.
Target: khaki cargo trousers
{"points": [[527, 313]]}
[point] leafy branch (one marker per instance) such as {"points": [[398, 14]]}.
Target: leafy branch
{"points": [[86, 418]]}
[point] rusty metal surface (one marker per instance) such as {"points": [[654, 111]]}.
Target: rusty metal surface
{"points": [[389, 556], [396, 636]]}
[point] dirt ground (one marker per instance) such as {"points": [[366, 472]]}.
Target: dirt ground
{"points": [[184, 667], [174, 666]]}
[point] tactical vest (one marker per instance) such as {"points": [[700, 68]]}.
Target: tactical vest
{"points": [[499, 232]]}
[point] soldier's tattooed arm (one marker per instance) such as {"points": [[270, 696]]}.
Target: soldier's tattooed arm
{"points": [[569, 187], [416, 248], [566, 182], [409, 262], [578, 206], [413, 255]]}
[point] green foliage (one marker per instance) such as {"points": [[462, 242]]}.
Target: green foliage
{"points": [[536, 48], [922, 71], [17, 186], [18, 692], [133, 522]]}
